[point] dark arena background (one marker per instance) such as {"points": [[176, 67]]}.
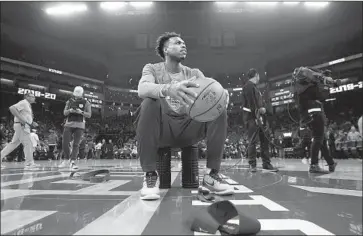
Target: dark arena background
{"points": [[48, 48]]}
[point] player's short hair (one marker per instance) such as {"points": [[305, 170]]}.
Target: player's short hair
{"points": [[160, 42], [252, 73]]}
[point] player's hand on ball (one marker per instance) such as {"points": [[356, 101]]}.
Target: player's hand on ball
{"points": [[78, 111], [182, 92]]}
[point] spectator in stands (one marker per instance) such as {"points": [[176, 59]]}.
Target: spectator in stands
{"points": [[103, 148], [59, 149], [280, 146], [2, 133], [98, 148], [115, 151], [52, 143], [109, 149], [134, 151], [90, 148], [354, 135], [304, 134], [35, 139], [82, 147]]}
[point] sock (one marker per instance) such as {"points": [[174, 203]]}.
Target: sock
{"points": [[152, 173], [213, 171]]}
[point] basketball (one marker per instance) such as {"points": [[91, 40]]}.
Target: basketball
{"points": [[211, 100]]}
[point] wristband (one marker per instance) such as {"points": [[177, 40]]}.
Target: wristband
{"points": [[162, 93], [164, 90]]}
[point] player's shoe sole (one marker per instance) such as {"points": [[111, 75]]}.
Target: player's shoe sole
{"points": [[150, 197]]}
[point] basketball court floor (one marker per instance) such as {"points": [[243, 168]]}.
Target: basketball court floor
{"points": [[289, 202]]}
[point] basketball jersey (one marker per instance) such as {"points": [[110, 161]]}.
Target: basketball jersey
{"points": [[162, 76]]}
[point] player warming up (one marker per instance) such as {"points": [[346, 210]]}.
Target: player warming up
{"points": [[168, 92], [311, 87]]}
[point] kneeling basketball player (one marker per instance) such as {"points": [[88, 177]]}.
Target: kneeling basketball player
{"points": [[163, 120]]}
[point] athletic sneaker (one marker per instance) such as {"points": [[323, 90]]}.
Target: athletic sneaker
{"points": [[253, 169], [150, 189], [269, 167], [332, 167], [213, 183], [63, 164], [317, 169], [73, 166]]}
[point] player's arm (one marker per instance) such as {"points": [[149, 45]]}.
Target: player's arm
{"points": [[16, 109], [87, 110], [259, 104], [147, 85], [257, 97], [250, 97], [307, 75], [67, 109]]}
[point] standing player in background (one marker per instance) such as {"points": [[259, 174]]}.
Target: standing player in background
{"points": [[311, 87], [23, 122], [52, 144], [164, 122], [304, 134], [76, 110], [91, 148], [253, 117], [98, 148]]}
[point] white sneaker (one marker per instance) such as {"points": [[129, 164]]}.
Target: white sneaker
{"points": [[73, 166], [212, 182], [150, 189], [63, 164], [304, 161]]}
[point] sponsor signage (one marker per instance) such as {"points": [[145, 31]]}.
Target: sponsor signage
{"points": [[94, 98]]}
